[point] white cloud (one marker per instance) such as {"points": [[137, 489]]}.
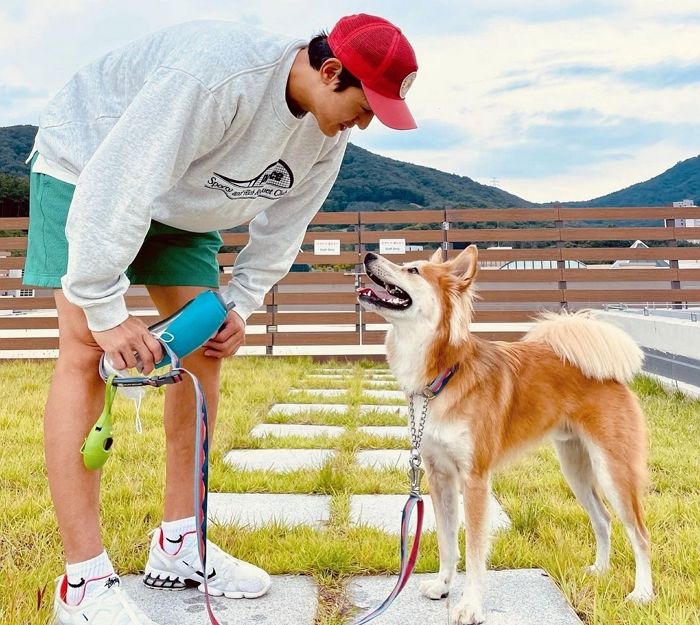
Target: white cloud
{"points": [[471, 58]]}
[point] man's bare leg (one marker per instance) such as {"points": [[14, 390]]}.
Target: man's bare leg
{"points": [[75, 400]]}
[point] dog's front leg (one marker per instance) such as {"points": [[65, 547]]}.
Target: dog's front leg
{"points": [[469, 610], [444, 494]]}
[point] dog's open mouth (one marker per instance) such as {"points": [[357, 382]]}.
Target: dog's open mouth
{"points": [[387, 295]]}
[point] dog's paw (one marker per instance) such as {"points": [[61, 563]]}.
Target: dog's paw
{"points": [[435, 588], [597, 570], [467, 613], [641, 596]]}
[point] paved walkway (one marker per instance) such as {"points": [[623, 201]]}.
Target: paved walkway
{"points": [[513, 597]]}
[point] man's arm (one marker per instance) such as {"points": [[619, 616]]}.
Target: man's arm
{"points": [[277, 233]]}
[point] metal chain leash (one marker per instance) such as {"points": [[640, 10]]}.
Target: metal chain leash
{"points": [[416, 471], [417, 433]]}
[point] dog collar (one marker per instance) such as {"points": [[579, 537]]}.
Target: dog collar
{"points": [[433, 389]]}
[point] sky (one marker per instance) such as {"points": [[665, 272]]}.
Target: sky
{"points": [[547, 99]]}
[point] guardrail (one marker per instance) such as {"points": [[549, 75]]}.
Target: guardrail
{"points": [[572, 260]]}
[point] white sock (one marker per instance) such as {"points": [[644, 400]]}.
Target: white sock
{"points": [[174, 533], [81, 573]]}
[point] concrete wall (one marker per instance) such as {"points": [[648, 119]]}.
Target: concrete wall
{"points": [[674, 336], [671, 346]]}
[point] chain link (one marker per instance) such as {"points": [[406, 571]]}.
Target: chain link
{"points": [[417, 433], [416, 472]]}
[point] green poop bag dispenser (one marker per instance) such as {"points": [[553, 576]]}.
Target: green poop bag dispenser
{"points": [[98, 445]]}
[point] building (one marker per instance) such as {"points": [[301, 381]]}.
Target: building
{"points": [[543, 264], [638, 263], [686, 223]]}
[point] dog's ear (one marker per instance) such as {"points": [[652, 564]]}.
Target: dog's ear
{"points": [[437, 256], [466, 265]]}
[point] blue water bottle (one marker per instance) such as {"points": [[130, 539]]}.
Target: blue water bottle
{"points": [[191, 326]]}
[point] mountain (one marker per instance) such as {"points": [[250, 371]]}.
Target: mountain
{"points": [[369, 182], [680, 182], [15, 144], [366, 181]]}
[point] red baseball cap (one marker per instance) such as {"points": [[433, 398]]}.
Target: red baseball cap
{"points": [[378, 54]]}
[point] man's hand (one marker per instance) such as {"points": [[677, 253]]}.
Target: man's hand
{"points": [[130, 344], [229, 338]]}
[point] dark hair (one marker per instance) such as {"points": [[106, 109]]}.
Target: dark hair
{"points": [[319, 51]]}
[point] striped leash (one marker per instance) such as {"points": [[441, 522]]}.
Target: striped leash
{"points": [[415, 503]]}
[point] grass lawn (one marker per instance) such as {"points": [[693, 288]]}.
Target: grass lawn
{"points": [[550, 530]]}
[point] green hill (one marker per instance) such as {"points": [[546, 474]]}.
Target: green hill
{"points": [[369, 182], [366, 181], [15, 144], [680, 182]]}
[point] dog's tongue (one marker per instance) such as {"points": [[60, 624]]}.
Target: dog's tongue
{"points": [[376, 291]]}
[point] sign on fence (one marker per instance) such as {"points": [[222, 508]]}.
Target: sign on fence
{"points": [[327, 247], [392, 246]]}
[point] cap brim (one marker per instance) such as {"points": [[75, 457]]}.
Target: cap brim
{"points": [[391, 112]]}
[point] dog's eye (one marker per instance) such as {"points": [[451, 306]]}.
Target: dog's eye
{"points": [[413, 270]]}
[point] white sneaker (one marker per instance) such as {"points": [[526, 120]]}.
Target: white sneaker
{"points": [[227, 575], [110, 605]]}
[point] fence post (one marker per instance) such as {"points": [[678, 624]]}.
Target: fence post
{"points": [[673, 263], [561, 263], [359, 268], [271, 328], [446, 245]]}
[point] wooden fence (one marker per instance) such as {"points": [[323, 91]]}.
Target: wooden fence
{"points": [[563, 257]]}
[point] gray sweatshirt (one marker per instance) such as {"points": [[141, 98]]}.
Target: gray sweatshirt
{"points": [[189, 127]]}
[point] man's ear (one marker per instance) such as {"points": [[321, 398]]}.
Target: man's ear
{"points": [[437, 256], [330, 70], [466, 265]]}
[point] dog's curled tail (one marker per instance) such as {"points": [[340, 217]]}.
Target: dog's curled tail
{"points": [[601, 350]]}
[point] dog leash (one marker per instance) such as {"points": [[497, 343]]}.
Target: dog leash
{"points": [[201, 461], [415, 501], [408, 557]]}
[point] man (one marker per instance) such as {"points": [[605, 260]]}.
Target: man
{"points": [[138, 163]]}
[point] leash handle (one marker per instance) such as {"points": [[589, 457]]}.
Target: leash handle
{"points": [[408, 557]]}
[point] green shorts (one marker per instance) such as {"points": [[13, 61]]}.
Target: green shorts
{"points": [[168, 256]]}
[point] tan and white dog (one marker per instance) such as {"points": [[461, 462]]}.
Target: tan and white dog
{"points": [[565, 379]]}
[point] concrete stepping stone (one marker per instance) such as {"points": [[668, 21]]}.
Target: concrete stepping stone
{"points": [[278, 460], [381, 459], [291, 600], [329, 376], [333, 371], [288, 429], [384, 431], [293, 409], [379, 383], [381, 377], [366, 409], [384, 394], [319, 392], [514, 597], [259, 509], [384, 512]]}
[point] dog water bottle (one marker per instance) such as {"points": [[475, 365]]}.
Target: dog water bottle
{"points": [[192, 325]]}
